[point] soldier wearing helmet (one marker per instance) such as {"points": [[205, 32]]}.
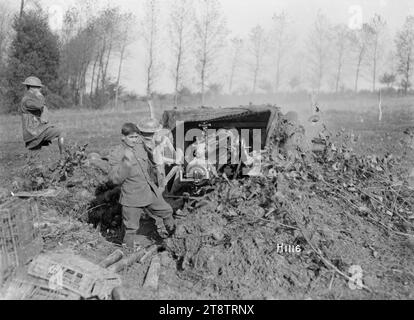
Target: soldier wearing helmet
{"points": [[37, 132], [130, 169]]}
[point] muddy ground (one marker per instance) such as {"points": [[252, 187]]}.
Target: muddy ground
{"points": [[226, 247]]}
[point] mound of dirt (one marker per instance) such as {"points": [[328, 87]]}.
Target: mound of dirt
{"points": [[298, 231], [301, 228]]}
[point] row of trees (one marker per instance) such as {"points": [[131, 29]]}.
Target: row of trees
{"points": [[89, 43], [196, 37], [338, 46], [330, 56], [83, 62]]}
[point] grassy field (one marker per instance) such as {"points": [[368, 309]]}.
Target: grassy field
{"points": [[352, 238], [100, 128]]}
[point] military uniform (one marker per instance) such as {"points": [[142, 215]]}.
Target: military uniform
{"points": [[138, 190], [36, 132]]}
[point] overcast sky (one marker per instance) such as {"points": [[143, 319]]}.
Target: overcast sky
{"points": [[243, 15]]}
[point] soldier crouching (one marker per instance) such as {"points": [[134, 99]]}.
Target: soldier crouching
{"points": [[37, 132]]}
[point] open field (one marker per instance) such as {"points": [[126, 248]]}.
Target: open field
{"points": [[386, 257], [100, 128]]}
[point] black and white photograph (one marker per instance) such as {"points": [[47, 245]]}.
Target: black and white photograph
{"points": [[230, 152]]}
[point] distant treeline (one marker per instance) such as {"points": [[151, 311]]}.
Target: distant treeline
{"points": [[75, 62]]}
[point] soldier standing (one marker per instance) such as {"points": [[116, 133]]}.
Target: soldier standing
{"points": [[130, 169]]}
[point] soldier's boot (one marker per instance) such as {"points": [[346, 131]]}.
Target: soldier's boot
{"points": [[170, 226]]}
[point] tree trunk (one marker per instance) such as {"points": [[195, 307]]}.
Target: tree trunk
{"points": [[21, 9], [177, 73], [278, 61], [204, 62], [407, 76], [150, 66], [176, 88], [100, 69], [357, 71], [203, 75], [356, 79], [374, 76], [407, 73], [83, 82], [149, 79], [338, 74], [256, 71], [277, 73], [360, 58], [93, 73], [105, 70], [80, 98], [121, 59], [233, 68], [320, 75], [202, 81]]}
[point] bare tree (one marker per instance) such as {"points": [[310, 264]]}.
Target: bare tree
{"points": [[340, 45], [89, 39], [360, 40], [257, 48], [210, 32], [319, 50], [388, 79], [405, 52], [29, 4], [181, 17], [282, 39], [21, 8], [236, 47], [5, 30], [124, 38], [78, 41], [110, 22], [150, 32], [378, 26]]}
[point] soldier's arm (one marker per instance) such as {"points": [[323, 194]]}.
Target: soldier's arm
{"points": [[44, 118], [119, 169], [33, 105]]}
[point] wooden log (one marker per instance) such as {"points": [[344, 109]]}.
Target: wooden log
{"points": [[127, 261], [118, 294], [112, 258], [151, 280], [131, 259], [149, 252]]}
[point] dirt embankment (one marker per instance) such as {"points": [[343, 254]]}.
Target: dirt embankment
{"points": [[327, 224]]}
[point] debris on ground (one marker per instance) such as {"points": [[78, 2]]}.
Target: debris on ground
{"points": [[299, 230], [326, 204], [151, 280], [20, 241], [76, 274]]}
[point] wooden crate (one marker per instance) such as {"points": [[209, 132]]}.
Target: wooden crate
{"points": [[31, 289], [19, 240], [77, 274]]}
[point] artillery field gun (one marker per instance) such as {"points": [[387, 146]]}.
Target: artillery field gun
{"points": [[205, 143]]}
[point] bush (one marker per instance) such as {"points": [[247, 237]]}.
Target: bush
{"points": [[54, 101], [99, 100], [33, 52]]}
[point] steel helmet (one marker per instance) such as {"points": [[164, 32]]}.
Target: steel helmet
{"points": [[33, 82], [149, 125]]}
